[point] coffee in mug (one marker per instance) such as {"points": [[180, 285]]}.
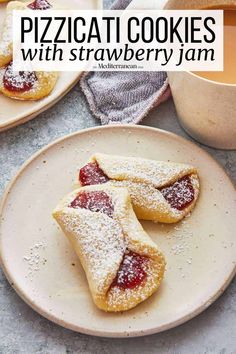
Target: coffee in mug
{"points": [[228, 75]]}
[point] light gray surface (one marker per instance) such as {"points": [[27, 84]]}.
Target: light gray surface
{"points": [[24, 331]]}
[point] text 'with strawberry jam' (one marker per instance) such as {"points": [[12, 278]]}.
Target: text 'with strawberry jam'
{"points": [[92, 174], [95, 201], [20, 81], [180, 194], [39, 5], [131, 272]]}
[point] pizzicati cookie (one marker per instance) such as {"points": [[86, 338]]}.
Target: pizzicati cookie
{"points": [[160, 191], [122, 264], [22, 85], [39, 5], [6, 34], [26, 85]]}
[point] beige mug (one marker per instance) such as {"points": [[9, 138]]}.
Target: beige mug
{"points": [[206, 109]]}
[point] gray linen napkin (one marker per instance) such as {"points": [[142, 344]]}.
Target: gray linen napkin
{"points": [[124, 97]]}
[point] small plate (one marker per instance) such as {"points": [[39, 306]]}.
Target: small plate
{"points": [[15, 112], [42, 267]]}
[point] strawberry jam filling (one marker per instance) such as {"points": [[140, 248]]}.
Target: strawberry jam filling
{"points": [[180, 194], [39, 5], [95, 201], [92, 174], [131, 272], [20, 81]]}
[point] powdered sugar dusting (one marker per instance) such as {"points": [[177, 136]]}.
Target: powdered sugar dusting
{"points": [[180, 194], [131, 272], [157, 173], [160, 191], [91, 174], [102, 243], [6, 35], [39, 5], [43, 83], [6, 39], [18, 81], [35, 259], [130, 297], [148, 197], [96, 201], [23, 85]]}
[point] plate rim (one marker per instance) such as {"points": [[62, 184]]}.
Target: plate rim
{"points": [[33, 113], [95, 332]]}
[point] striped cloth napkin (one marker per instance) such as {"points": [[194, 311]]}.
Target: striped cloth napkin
{"points": [[124, 97]]}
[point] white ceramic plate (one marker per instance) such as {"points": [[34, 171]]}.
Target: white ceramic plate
{"points": [[15, 112], [43, 268]]}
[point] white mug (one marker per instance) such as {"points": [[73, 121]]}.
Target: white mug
{"points": [[206, 109]]}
